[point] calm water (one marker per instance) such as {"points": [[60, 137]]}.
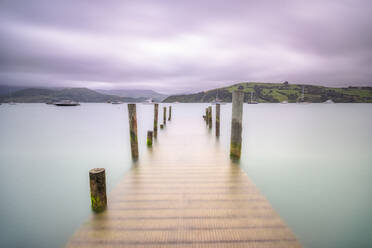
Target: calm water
{"points": [[313, 162]]}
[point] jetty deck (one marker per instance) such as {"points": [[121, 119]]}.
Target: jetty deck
{"points": [[185, 192]]}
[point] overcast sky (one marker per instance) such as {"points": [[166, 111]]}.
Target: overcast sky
{"points": [[175, 46]]}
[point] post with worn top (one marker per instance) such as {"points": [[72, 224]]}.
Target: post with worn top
{"points": [[236, 124], [218, 120], [206, 115], [149, 138], [170, 113], [165, 116], [210, 116], [97, 181], [133, 130], [156, 111]]}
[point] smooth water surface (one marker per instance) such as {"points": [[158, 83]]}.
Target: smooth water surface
{"points": [[313, 162]]}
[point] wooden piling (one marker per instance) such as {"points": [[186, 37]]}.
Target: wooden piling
{"points": [[161, 126], [149, 138], [218, 107], [210, 116], [170, 113], [236, 124], [97, 180], [206, 115], [133, 130], [165, 116], [156, 111]]}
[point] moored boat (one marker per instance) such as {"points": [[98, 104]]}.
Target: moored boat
{"points": [[251, 101], [148, 101], [67, 103], [329, 101]]}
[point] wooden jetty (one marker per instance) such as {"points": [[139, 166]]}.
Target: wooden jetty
{"points": [[195, 197]]}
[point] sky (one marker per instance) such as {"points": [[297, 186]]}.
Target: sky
{"points": [[184, 46]]}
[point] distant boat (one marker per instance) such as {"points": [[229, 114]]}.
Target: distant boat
{"points": [[49, 102], [116, 102], [217, 101], [11, 99], [329, 101], [302, 101], [251, 101], [66, 103], [148, 101], [284, 102]]}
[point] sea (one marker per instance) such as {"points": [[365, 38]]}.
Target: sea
{"points": [[313, 162]]}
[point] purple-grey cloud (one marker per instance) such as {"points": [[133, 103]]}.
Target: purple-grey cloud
{"points": [[175, 46]]}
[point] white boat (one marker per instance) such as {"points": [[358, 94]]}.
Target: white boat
{"points": [[148, 101], [11, 99], [217, 101], [329, 101], [67, 103], [251, 101], [284, 102], [302, 101], [116, 102]]}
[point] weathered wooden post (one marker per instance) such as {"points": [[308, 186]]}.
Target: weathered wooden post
{"points": [[170, 113], [218, 119], [161, 126], [97, 181], [210, 116], [156, 110], [149, 138], [133, 130], [236, 124], [206, 115], [165, 116]]}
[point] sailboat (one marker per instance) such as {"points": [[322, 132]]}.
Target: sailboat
{"points": [[217, 100], [11, 98], [303, 96], [251, 101]]}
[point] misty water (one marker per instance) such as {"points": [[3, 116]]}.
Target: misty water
{"points": [[313, 162]]}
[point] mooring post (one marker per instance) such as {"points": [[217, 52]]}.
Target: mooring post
{"points": [[217, 119], [133, 130], [165, 116], [210, 116], [161, 126], [206, 115], [97, 181], [149, 138], [170, 113], [236, 124], [156, 110]]}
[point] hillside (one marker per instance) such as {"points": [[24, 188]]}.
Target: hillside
{"points": [[33, 95], [134, 93], [275, 92]]}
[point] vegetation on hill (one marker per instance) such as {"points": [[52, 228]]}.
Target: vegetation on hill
{"points": [[135, 93], [276, 92], [33, 95]]}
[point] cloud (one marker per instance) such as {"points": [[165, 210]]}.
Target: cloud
{"points": [[176, 46]]}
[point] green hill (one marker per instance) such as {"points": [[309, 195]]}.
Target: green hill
{"points": [[276, 92], [34, 95]]}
